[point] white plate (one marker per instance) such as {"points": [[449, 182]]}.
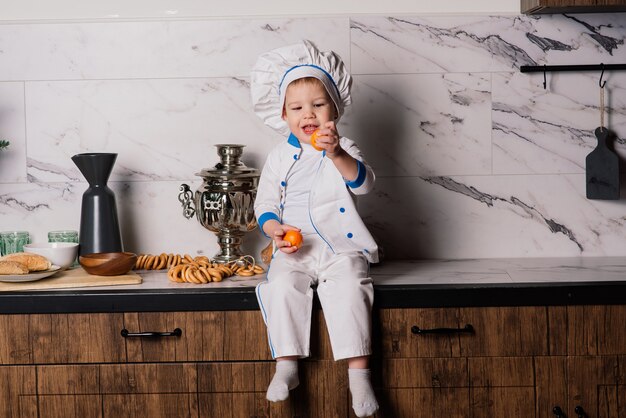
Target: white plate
{"points": [[30, 277]]}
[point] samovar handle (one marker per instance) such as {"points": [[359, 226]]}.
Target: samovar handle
{"points": [[185, 197]]}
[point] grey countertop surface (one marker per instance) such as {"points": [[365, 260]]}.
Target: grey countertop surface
{"points": [[419, 283]]}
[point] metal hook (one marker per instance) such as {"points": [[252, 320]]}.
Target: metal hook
{"points": [[544, 76], [601, 75]]}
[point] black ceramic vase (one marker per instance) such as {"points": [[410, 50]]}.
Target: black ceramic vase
{"points": [[99, 227]]}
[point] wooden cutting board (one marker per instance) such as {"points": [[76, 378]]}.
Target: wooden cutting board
{"points": [[76, 277]]}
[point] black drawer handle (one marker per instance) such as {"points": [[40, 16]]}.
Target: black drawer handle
{"points": [[580, 411], [558, 412], [152, 334], [467, 329]]}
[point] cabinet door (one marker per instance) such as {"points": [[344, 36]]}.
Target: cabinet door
{"points": [[61, 338], [238, 390], [396, 340], [201, 339], [17, 391], [501, 387], [117, 390], [505, 331], [596, 330], [592, 385], [589, 382], [422, 387], [498, 332]]}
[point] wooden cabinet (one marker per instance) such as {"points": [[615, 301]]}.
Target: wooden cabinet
{"points": [[517, 362], [572, 6]]}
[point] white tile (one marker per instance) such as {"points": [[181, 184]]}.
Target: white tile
{"points": [[161, 129], [433, 124], [150, 215], [492, 216], [552, 131], [12, 129], [193, 48], [426, 44]]}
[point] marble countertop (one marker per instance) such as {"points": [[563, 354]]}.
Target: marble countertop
{"points": [[423, 283]]}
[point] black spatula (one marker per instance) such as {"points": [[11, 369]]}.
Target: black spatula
{"points": [[602, 166]]}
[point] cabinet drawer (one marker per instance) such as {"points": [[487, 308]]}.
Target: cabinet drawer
{"points": [[596, 330], [204, 336], [509, 331], [61, 338]]}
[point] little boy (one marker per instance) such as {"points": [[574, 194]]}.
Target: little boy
{"points": [[298, 90]]}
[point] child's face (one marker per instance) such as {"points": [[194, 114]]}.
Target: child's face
{"points": [[307, 108]]}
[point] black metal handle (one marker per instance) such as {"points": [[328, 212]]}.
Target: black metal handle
{"points": [[151, 334], [467, 329], [558, 412], [580, 411]]}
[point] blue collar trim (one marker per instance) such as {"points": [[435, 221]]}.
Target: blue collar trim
{"points": [[293, 141]]}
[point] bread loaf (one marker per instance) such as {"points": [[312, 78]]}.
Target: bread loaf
{"points": [[34, 262], [12, 267]]}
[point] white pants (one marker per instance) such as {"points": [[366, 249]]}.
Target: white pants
{"points": [[344, 290]]}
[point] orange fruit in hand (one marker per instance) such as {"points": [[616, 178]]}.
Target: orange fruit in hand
{"points": [[294, 238], [314, 137]]}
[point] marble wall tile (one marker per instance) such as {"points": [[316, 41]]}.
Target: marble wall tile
{"points": [[191, 48], [492, 216], [473, 158], [161, 129], [12, 129], [150, 216], [551, 131], [427, 44], [426, 124]]}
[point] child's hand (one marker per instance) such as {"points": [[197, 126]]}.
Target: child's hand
{"points": [[279, 233], [328, 139]]}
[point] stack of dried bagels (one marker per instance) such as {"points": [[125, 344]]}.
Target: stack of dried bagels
{"points": [[23, 263]]}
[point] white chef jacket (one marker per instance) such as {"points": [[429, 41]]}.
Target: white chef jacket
{"points": [[332, 208]]}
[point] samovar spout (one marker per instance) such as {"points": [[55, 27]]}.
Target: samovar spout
{"points": [[185, 197]]}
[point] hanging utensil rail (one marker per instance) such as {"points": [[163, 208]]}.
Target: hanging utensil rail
{"points": [[553, 68]]}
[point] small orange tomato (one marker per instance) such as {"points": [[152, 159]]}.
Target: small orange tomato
{"points": [[314, 137], [294, 238]]}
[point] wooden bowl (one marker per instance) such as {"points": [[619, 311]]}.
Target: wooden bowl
{"points": [[108, 264]]}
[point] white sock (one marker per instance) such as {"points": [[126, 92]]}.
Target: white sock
{"points": [[285, 378], [363, 398]]}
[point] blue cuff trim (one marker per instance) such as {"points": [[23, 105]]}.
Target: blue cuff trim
{"points": [[360, 176], [266, 217]]}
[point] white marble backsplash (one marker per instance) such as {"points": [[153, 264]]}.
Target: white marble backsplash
{"points": [[474, 159]]}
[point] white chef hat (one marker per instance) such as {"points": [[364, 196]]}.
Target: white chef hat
{"points": [[274, 70]]}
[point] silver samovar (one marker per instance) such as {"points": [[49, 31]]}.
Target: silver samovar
{"points": [[224, 203]]}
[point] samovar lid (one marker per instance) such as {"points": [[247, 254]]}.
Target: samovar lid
{"points": [[230, 165]]}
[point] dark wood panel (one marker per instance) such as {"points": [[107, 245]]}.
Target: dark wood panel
{"points": [[76, 338], [17, 349], [15, 383], [202, 336], [68, 379], [245, 336], [501, 371], [506, 331], [159, 405], [149, 378], [551, 384], [397, 341], [592, 384], [70, 406], [422, 373], [502, 402], [323, 390], [557, 330], [596, 330], [423, 403]]}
